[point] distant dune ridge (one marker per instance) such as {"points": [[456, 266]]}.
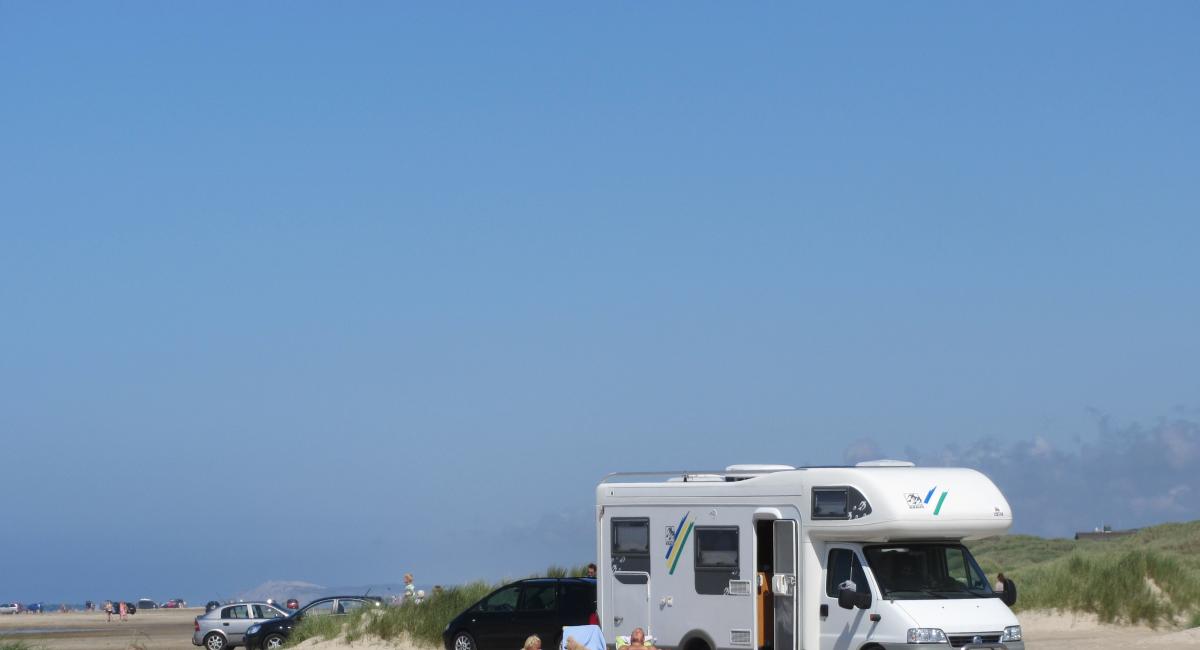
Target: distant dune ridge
{"points": [[282, 590]]}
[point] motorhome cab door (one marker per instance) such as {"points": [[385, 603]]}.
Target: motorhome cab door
{"points": [[843, 628]]}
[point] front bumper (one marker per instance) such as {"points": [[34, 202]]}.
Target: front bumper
{"points": [[1009, 645]]}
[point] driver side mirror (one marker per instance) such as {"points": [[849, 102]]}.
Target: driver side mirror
{"points": [[849, 599]]}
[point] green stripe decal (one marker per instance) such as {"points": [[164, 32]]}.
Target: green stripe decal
{"points": [[682, 542], [941, 500]]}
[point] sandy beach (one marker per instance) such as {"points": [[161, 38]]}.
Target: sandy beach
{"points": [[172, 630], [154, 629]]}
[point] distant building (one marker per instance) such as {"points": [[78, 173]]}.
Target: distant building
{"points": [[1104, 532]]}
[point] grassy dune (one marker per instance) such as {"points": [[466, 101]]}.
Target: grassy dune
{"points": [[422, 623], [1152, 577]]}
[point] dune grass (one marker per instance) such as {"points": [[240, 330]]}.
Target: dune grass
{"points": [[16, 644], [422, 623], [1152, 577]]}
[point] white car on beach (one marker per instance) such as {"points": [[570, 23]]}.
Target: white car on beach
{"points": [[9, 608]]}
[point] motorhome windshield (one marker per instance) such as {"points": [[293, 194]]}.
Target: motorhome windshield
{"points": [[925, 571]]}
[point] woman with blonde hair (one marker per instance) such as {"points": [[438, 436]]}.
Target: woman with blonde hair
{"points": [[534, 642]]}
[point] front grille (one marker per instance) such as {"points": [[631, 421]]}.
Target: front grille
{"points": [[960, 640]]}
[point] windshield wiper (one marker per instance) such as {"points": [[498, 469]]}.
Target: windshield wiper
{"points": [[918, 591]]}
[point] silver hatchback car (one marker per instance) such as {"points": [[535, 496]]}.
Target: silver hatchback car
{"points": [[224, 626]]}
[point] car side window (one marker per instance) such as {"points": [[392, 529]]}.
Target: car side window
{"points": [[347, 606], [578, 600], [539, 597], [237, 611], [320, 609], [266, 611], [504, 600], [843, 565]]}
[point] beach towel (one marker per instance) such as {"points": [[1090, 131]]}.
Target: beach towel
{"points": [[589, 636]]}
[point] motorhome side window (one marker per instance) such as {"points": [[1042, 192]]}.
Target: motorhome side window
{"points": [[716, 558], [631, 549], [631, 537], [839, 503], [843, 565]]}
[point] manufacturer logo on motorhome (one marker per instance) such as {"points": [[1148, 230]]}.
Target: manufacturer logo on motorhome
{"points": [[676, 539], [914, 500], [942, 499]]}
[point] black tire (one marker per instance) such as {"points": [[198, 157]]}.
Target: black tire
{"points": [[273, 642], [214, 641], [464, 641], [697, 644]]}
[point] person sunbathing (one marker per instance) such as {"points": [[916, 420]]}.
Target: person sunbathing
{"points": [[637, 640]]}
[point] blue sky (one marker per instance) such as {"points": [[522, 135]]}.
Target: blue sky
{"points": [[331, 293]]}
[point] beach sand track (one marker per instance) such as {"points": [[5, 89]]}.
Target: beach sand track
{"points": [[172, 630], [154, 629]]}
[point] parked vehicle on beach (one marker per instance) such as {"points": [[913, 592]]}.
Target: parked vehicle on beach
{"points": [[292, 603], [34, 608], [146, 603], [270, 635], [504, 618], [224, 627], [211, 605], [174, 603], [10, 608], [868, 557]]}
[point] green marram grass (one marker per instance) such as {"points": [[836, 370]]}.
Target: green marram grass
{"points": [[1152, 577], [16, 644], [421, 623]]}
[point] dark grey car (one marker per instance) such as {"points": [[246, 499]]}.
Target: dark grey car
{"points": [[224, 626]]}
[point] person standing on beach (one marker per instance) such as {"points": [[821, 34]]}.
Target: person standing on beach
{"points": [[410, 590], [108, 610], [124, 611]]}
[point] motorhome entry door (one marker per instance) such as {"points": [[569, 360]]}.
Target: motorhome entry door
{"points": [[784, 584], [630, 602]]}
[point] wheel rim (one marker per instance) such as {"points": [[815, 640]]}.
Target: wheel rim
{"points": [[274, 642], [215, 642], [462, 642]]}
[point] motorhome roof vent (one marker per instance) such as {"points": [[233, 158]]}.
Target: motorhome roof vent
{"points": [[885, 463], [740, 472]]}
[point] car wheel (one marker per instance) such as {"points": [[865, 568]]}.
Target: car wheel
{"points": [[214, 641], [273, 642], [463, 641]]}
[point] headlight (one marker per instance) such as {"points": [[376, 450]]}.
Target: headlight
{"points": [[926, 635], [1011, 633], [253, 628]]}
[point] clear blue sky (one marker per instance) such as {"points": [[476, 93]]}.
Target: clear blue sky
{"points": [[333, 292]]}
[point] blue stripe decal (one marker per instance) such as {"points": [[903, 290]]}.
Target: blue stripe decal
{"points": [[678, 531], [930, 495]]}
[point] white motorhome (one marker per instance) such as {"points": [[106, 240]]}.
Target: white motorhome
{"points": [[771, 557]]}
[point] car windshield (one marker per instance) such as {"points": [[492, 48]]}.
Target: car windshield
{"points": [[925, 571]]}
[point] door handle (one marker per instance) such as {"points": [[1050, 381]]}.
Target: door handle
{"points": [[225, 624]]}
